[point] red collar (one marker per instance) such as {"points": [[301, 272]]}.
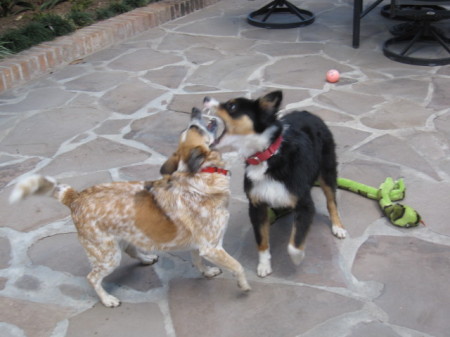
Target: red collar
{"points": [[259, 157], [212, 169]]}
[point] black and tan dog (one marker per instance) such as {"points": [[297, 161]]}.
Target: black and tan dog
{"points": [[187, 210], [284, 159]]}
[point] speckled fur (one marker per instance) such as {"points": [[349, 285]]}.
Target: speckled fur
{"points": [[187, 210]]}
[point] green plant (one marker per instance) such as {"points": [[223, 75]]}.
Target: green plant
{"points": [[55, 23], [119, 7], [80, 19], [7, 7], [3, 50], [49, 4], [37, 32], [45, 27], [80, 5], [136, 3], [103, 14], [15, 41]]}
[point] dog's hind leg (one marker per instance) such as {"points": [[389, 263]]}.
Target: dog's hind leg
{"points": [[259, 217], [303, 216], [208, 272], [104, 255], [221, 258], [329, 189], [143, 257]]}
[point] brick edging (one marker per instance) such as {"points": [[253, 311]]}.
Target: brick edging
{"points": [[45, 57]]}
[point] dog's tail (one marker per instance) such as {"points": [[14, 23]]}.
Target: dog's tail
{"points": [[37, 184]]}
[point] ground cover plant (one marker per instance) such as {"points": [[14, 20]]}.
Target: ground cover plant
{"points": [[25, 23]]}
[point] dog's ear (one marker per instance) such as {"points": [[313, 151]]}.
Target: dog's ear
{"points": [[271, 102], [196, 158], [196, 114], [171, 164]]}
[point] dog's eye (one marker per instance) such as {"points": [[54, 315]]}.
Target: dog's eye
{"points": [[232, 107]]}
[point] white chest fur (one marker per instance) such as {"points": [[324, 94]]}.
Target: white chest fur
{"points": [[265, 189]]}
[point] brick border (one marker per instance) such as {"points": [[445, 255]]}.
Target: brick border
{"points": [[45, 57]]}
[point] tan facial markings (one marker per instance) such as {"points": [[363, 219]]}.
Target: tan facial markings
{"points": [[237, 126], [189, 140], [194, 138]]}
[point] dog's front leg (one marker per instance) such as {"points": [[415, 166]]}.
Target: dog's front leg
{"points": [[259, 216], [208, 272], [221, 258]]}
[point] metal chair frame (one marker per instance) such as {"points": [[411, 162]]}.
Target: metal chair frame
{"points": [[422, 15], [261, 17]]}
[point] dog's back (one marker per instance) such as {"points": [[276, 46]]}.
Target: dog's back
{"points": [[307, 152]]}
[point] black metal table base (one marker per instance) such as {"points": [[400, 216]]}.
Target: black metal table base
{"points": [[280, 14]]}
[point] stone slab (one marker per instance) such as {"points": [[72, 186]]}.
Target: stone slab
{"points": [[407, 267], [398, 151], [95, 155], [130, 319], [97, 81], [251, 314], [130, 96], [35, 319], [62, 124], [5, 252], [153, 130], [143, 60]]}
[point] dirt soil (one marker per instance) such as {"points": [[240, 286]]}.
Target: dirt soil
{"points": [[21, 19]]}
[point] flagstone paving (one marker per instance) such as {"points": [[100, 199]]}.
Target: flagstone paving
{"points": [[117, 114]]}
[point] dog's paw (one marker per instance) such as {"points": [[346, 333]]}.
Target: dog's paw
{"points": [[297, 255], [264, 266], [243, 284], [264, 269], [339, 232], [148, 259], [211, 272], [110, 301]]}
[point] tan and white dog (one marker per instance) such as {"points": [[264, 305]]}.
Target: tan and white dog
{"points": [[186, 210]]}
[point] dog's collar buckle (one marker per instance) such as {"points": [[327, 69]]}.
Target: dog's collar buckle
{"points": [[213, 169], [259, 157]]}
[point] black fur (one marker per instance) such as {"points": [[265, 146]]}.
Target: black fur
{"points": [[306, 153]]}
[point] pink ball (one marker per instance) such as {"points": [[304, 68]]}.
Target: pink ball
{"points": [[332, 76]]}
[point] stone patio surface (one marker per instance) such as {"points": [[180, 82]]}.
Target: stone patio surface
{"points": [[117, 114]]}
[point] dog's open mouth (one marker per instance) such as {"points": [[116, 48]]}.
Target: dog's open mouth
{"points": [[214, 128], [210, 105], [218, 139]]}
